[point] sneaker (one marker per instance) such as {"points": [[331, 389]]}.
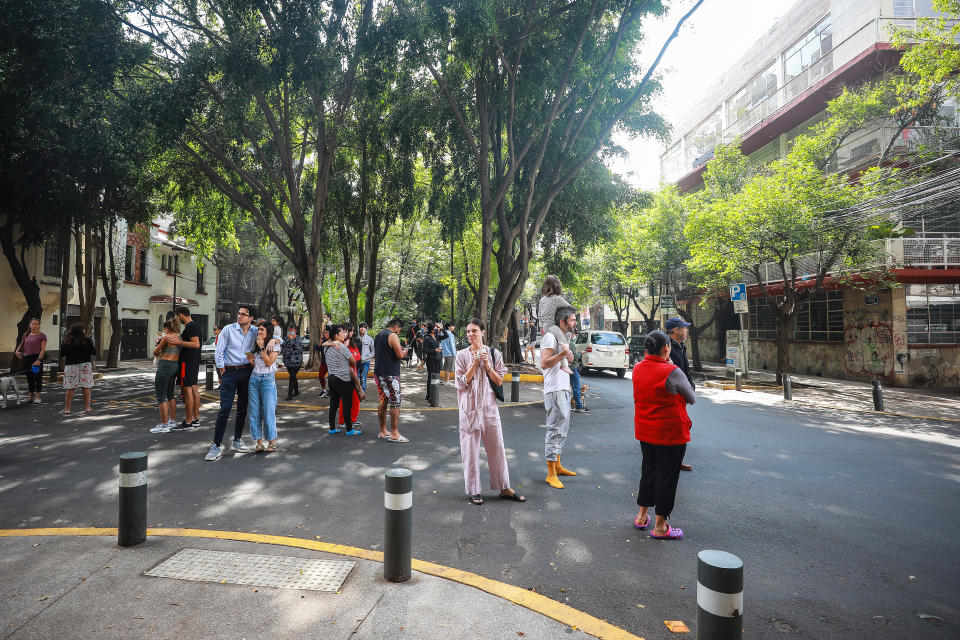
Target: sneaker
{"points": [[334, 431], [37, 400], [214, 453], [354, 432], [239, 446], [184, 426], [196, 423], [172, 423], [163, 427], [581, 410], [323, 394]]}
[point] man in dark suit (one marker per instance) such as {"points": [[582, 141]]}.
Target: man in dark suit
{"points": [[678, 330]]}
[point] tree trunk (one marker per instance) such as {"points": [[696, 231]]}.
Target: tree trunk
{"points": [[109, 277], [696, 331], [514, 350], [314, 303], [64, 286], [27, 283], [373, 274], [784, 333]]}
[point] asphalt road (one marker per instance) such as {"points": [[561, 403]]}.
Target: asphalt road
{"points": [[846, 522]]}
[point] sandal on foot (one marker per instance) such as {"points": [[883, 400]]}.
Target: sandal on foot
{"points": [[271, 446], [383, 436], [476, 499], [644, 526], [259, 448], [516, 497], [673, 533], [64, 412], [400, 439]]}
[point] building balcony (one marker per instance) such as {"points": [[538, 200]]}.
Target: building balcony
{"points": [[866, 147]]}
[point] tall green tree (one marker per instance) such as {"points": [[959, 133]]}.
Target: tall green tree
{"points": [[534, 90]]}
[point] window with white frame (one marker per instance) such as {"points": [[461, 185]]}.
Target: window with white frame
{"points": [[820, 319], [933, 314], [761, 87]]}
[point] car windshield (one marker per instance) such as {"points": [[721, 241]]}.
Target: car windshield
{"points": [[607, 339], [210, 341]]}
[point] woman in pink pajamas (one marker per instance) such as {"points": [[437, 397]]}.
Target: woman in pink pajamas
{"points": [[476, 368]]}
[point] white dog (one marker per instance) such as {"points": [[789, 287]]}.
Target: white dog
{"points": [[6, 383]]}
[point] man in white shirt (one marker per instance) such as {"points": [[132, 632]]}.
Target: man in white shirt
{"points": [[366, 355], [556, 394]]}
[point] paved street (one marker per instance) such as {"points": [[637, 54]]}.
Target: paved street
{"points": [[846, 522]]}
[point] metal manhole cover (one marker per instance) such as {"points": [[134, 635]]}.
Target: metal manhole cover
{"points": [[256, 570]]}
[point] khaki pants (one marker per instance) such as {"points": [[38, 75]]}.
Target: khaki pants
{"points": [[557, 404]]}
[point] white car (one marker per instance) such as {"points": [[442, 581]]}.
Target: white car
{"points": [[208, 350], [599, 350]]}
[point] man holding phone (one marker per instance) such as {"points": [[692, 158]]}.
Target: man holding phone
{"points": [[234, 343], [387, 354]]}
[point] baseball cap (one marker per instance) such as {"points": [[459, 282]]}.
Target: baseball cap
{"points": [[673, 323]]}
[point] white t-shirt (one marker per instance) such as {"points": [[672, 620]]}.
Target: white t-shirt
{"points": [[553, 378]]}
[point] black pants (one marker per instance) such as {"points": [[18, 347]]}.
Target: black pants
{"points": [[34, 380], [340, 391], [234, 382], [659, 474], [433, 369], [293, 388]]}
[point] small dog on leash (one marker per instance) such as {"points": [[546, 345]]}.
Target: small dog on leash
{"points": [[7, 383]]}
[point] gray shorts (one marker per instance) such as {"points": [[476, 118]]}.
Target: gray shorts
{"points": [[448, 362]]}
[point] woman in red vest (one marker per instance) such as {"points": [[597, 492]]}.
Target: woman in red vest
{"points": [[661, 394]]}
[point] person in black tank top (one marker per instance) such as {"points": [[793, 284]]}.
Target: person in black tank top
{"points": [[387, 354]]}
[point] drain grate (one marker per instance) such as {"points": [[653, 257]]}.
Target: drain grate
{"points": [[282, 572]]}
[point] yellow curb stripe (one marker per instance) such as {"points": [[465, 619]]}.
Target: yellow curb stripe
{"points": [[535, 602]]}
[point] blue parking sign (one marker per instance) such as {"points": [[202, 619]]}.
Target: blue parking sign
{"points": [[738, 291]]}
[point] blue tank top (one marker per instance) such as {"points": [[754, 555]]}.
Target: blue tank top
{"points": [[387, 363]]}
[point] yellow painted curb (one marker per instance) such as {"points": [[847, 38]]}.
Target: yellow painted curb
{"points": [[524, 377], [535, 602]]}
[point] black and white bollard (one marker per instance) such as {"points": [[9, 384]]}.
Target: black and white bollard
{"points": [[719, 596], [877, 396], [208, 370], [433, 382], [514, 387], [397, 524], [738, 380], [132, 525], [787, 389], [54, 371]]}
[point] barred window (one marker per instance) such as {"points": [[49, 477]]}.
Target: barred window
{"points": [[142, 275], [53, 256], [933, 314], [763, 320], [820, 319], [201, 286]]}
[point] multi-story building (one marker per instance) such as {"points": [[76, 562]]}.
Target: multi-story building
{"points": [[909, 335], [158, 274]]}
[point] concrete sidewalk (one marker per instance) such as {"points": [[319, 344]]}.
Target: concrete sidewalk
{"points": [[847, 394], [88, 587]]}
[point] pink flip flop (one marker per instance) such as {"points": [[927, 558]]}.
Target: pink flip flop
{"points": [[644, 526], [671, 534]]}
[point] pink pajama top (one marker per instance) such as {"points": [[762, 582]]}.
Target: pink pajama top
{"points": [[477, 403]]}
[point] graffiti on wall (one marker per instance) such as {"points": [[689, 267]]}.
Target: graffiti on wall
{"points": [[869, 348]]}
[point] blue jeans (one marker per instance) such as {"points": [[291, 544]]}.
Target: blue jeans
{"points": [[575, 382], [263, 406], [234, 382], [362, 369]]}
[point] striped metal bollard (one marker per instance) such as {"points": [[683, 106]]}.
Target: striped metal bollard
{"points": [[53, 371], [719, 596], [132, 524], [433, 382], [787, 389], [877, 396], [738, 380], [208, 370], [515, 387], [397, 524]]}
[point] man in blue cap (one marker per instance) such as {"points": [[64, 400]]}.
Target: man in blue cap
{"points": [[678, 330]]}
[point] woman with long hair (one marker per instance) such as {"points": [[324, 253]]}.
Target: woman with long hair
{"points": [[31, 350], [341, 377], [477, 368], [78, 353], [262, 403], [167, 353], [661, 393], [353, 344]]}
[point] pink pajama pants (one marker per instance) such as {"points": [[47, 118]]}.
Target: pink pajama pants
{"points": [[492, 438]]}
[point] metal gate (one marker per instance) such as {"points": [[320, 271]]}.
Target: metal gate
{"points": [[133, 343]]}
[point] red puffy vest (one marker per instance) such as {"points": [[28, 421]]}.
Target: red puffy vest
{"points": [[659, 417]]}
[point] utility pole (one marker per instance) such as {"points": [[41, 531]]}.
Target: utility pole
{"points": [[176, 269]]}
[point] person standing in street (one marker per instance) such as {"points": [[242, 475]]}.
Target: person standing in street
{"points": [[448, 346], [190, 370], [353, 344], [679, 331], [292, 352], [531, 346], [167, 353], [386, 373], [661, 394], [411, 341], [322, 369], [78, 353], [366, 355], [234, 344], [32, 349], [339, 361], [432, 355], [478, 367], [262, 405], [555, 356]]}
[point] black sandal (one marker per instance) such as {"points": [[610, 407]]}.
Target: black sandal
{"points": [[513, 496], [476, 499]]}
